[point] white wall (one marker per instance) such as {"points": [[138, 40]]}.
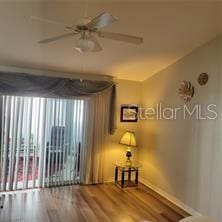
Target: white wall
{"points": [[184, 157], [128, 92], [181, 157]]}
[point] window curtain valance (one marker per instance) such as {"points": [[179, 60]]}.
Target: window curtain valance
{"points": [[44, 86], [22, 84]]}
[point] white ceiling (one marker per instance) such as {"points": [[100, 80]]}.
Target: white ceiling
{"points": [[170, 30]]}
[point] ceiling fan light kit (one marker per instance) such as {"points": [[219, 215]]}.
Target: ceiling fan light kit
{"points": [[85, 44], [86, 28]]}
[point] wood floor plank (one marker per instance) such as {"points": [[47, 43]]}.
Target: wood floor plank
{"points": [[53, 216], [89, 203], [132, 205]]}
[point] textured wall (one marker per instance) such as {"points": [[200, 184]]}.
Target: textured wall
{"points": [[184, 157]]}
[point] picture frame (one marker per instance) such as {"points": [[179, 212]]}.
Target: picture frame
{"points": [[129, 113]]}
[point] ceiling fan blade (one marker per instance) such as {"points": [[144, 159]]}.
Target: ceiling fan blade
{"points": [[97, 46], [55, 38], [101, 21], [121, 37], [48, 21]]}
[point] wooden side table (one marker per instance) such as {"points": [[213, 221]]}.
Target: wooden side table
{"points": [[126, 171]]}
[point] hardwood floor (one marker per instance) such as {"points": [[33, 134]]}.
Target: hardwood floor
{"points": [[105, 202]]}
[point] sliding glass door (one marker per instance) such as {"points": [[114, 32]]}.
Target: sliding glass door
{"points": [[41, 142]]}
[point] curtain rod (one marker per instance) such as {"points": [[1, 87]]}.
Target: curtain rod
{"points": [[50, 73]]}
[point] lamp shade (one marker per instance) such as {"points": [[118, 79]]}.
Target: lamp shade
{"points": [[128, 139]]}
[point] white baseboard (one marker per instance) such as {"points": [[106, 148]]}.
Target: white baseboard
{"points": [[169, 197]]}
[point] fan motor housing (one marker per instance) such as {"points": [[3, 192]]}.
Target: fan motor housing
{"points": [[81, 28]]}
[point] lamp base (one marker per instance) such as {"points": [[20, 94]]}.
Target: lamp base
{"points": [[128, 163], [128, 155]]}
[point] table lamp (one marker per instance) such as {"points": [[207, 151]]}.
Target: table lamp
{"points": [[128, 139]]}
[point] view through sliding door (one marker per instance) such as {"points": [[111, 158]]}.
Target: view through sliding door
{"points": [[41, 142]]}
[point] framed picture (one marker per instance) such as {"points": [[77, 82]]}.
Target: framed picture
{"points": [[129, 113]]}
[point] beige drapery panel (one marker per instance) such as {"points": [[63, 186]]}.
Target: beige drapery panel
{"points": [[98, 111]]}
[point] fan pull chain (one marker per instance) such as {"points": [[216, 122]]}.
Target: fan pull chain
{"points": [[86, 8]]}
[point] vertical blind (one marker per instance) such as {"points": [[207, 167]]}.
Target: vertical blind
{"points": [[41, 141]]}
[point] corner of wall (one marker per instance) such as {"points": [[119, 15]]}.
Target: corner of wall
{"points": [[169, 197]]}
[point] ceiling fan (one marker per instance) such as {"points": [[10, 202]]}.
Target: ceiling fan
{"points": [[87, 28]]}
